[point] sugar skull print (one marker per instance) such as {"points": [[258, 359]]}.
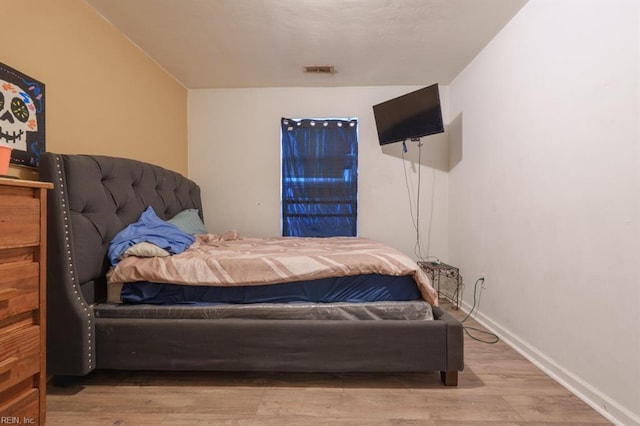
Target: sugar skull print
{"points": [[17, 116]]}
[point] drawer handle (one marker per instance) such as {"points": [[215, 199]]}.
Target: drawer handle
{"points": [[8, 293], [8, 364]]}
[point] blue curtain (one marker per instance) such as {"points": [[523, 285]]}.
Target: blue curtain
{"points": [[319, 177]]}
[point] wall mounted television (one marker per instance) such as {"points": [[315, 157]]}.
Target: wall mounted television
{"points": [[409, 116]]}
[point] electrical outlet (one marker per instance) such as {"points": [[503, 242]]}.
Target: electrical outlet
{"points": [[484, 281]]}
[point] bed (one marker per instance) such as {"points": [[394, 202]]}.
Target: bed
{"points": [[96, 321]]}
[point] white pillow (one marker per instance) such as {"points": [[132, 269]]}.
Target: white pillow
{"points": [[145, 249]]}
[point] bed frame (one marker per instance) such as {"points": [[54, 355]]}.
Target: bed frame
{"points": [[94, 197]]}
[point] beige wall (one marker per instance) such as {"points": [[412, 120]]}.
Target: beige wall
{"points": [[103, 95], [544, 202], [242, 145]]}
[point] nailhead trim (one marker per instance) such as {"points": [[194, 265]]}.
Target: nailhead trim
{"points": [[71, 270]]}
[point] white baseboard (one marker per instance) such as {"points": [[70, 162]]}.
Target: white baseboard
{"points": [[604, 405]]}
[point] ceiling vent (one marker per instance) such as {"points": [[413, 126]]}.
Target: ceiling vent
{"points": [[319, 69]]}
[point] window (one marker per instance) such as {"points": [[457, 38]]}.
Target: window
{"points": [[319, 177]]}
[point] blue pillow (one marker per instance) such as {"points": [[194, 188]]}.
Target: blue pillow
{"points": [[189, 221], [152, 229]]}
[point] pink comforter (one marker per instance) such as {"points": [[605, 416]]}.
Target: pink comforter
{"points": [[229, 260]]}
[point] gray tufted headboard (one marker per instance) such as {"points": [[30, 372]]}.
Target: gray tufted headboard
{"points": [[94, 197]]}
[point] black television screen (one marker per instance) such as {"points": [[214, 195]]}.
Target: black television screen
{"points": [[413, 115]]}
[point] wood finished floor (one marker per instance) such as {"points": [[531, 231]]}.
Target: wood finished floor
{"points": [[497, 387]]}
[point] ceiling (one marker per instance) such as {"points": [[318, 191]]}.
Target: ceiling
{"points": [[267, 43]]}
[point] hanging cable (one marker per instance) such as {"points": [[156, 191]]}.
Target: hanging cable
{"points": [[406, 182], [417, 249], [493, 337], [415, 220]]}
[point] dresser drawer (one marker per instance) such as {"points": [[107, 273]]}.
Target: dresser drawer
{"points": [[22, 409], [19, 354], [19, 288], [19, 217]]}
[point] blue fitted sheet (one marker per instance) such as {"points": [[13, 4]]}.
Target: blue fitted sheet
{"points": [[354, 289]]}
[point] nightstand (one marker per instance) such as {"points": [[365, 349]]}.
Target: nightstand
{"points": [[446, 279]]}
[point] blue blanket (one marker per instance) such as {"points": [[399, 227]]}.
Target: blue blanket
{"points": [[152, 229]]}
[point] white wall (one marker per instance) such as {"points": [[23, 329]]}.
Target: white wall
{"points": [[234, 154], [545, 199]]}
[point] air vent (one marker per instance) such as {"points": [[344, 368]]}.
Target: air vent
{"points": [[319, 69]]}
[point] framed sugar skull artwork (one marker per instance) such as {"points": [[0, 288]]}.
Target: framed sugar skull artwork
{"points": [[21, 116]]}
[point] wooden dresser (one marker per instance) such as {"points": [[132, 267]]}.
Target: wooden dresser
{"points": [[22, 301]]}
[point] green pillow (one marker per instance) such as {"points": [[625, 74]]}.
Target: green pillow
{"points": [[189, 221]]}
